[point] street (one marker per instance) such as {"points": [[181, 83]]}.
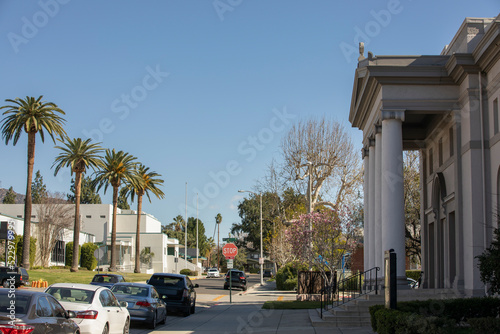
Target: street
{"points": [[210, 293]]}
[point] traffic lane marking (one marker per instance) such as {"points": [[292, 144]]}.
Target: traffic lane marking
{"points": [[280, 298], [218, 298]]}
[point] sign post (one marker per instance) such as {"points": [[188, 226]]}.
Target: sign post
{"points": [[230, 251]]}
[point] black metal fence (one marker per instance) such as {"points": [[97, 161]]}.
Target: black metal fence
{"points": [[350, 288]]}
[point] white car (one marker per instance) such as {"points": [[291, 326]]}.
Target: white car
{"points": [[213, 272], [96, 307]]}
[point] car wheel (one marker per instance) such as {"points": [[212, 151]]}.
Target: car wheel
{"points": [[164, 321], [152, 325], [106, 329], [193, 308], [244, 288], [126, 328], [226, 287]]}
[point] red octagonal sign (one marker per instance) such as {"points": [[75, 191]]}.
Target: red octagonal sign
{"points": [[229, 251]]}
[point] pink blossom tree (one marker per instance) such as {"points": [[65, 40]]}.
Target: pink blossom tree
{"points": [[333, 234]]}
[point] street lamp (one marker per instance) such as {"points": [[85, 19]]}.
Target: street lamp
{"points": [[261, 258]]}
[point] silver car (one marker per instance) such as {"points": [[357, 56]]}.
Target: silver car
{"points": [[143, 303]]}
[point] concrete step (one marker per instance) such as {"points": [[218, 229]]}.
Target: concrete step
{"points": [[330, 320]]}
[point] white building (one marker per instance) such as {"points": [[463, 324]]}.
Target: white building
{"points": [[57, 258], [445, 106], [96, 220]]}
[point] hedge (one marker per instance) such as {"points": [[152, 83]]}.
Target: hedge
{"points": [[87, 259], [436, 316], [415, 274], [188, 272]]}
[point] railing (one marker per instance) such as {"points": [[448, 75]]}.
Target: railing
{"points": [[350, 288]]}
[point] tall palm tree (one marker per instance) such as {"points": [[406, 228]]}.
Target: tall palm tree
{"points": [[77, 154], [33, 116], [117, 168], [142, 184], [218, 220]]}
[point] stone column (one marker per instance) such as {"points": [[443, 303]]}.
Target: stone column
{"points": [[367, 227], [393, 225], [379, 252], [371, 202]]}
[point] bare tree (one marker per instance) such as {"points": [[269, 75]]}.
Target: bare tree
{"points": [[319, 157], [55, 215], [411, 163]]}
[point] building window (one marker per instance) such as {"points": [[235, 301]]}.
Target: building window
{"points": [[88, 216], [19, 216], [452, 140], [440, 151], [495, 116], [33, 216], [103, 216], [431, 161], [58, 252]]}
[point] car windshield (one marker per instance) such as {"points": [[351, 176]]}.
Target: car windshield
{"points": [[130, 290], [21, 303], [213, 270], [71, 295], [106, 279], [167, 281]]}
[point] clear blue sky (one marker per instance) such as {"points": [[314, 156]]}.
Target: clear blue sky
{"points": [[201, 91]]}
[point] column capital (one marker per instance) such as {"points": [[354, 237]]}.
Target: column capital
{"points": [[371, 141], [378, 129], [364, 152], [398, 114]]}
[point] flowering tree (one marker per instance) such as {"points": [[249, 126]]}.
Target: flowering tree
{"points": [[332, 235]]}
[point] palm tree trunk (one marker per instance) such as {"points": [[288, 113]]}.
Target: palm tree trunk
{"points": [[138, 235], [76, 230], [28, 201], [112, 265]]}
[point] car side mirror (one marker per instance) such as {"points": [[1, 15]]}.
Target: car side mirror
{"points": [[147, 282], [123, 304], [70, 314]]}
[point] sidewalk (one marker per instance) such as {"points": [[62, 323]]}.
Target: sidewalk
{"points": [[245, 315]]}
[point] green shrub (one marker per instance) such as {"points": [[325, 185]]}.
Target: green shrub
{"points": [[288, 271], [18, 241], [69, 254], [373, 309], [88, 259], [415, 274], [290, 284], [485, 325], [253, 270], [188, 272]]}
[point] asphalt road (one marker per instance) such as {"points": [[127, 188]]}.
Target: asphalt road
{"points": [[215, 286], [209, 292]]}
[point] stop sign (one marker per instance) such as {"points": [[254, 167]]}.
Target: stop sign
{"points": [[229, 251]]}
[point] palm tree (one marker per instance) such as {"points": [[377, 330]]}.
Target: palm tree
{"points": [[218, 220], [77, 154], [33, 116], [117, 168], [143, 183]]}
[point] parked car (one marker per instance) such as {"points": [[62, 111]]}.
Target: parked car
{"points": [[96, 307], [177, 290], [412, 283], [34, 311], [267, 273], [213, 272], [238, 280], [20, 275], [143, 303], [107, 280]]}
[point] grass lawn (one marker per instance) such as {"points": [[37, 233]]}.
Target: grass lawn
{"points": [[82, 276], [291, 305]]}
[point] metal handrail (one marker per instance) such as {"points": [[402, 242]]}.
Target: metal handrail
{"points": [[357, 285]]}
